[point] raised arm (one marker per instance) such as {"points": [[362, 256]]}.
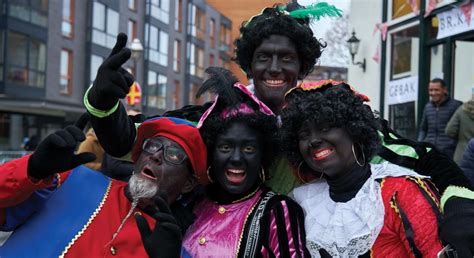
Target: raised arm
{"points": [[114, 129]]}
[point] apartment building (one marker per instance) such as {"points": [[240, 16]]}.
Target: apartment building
{"points": [[50, 51]]}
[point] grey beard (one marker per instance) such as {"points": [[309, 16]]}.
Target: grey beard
{"points": [[141, 187]]}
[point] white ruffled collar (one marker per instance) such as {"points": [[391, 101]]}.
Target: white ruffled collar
{"points": [[345, 229]]}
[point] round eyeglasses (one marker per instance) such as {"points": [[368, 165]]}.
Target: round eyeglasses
{"points": [[173, 155]]}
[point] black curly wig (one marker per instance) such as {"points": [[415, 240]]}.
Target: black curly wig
{"points": [[273, 21], [332, 106], [221, 82]]}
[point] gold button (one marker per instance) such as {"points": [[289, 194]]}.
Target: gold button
{"points": [[221, 210], [113, 250], [138, 213], [202, 240]]}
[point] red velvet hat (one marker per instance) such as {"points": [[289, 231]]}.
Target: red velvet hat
{"points": [[182, 132]]}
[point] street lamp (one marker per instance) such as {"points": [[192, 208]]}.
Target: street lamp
{"points": [[137, 49], [353, 44]]}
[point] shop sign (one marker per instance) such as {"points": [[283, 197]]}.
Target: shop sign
{"points": [[402, 90], [455, 21]]}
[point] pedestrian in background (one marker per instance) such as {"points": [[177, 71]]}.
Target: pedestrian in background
{"points": [[461, 127], [436, 115], [467, 161]]}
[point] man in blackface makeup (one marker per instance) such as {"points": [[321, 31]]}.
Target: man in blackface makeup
{"points": [[88, 214]]}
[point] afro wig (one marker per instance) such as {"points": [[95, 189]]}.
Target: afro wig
{"points": [[334, 106], [276, 21], [221, 82]]}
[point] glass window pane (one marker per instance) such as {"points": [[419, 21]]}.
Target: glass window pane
{"points": [[436, 64], [153, 37], [96, 61], [19, 9], [112, 22], [464, 70], [37, 60], [163, 42], [17, 49], [131, 4], [67, 9], [402, 7], [405, 47], [64, 63], [98, 18]]}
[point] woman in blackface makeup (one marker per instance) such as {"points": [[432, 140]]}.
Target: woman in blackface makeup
{"points": [[353, 208], [240, 217]]}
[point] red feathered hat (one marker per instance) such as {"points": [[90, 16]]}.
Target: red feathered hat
{"points": [[182, 132]]}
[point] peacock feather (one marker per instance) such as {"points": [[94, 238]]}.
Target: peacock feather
{"points": [[316, 11]]}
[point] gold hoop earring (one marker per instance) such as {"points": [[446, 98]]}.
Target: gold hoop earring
{"points": [[209, 176], [301, 178], [355, 156], [262, 175], [298, 172]]}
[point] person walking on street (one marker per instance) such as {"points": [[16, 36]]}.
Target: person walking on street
{"points": [[461, 127], [436, 115]]}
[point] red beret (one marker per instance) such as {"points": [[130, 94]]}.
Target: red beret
{"points": [[182, 132]]}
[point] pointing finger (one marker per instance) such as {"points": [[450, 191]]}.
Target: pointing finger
{"points": [[119, 44], [117, 60]]}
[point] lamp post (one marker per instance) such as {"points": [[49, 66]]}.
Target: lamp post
{"points": [[136, 48], [353, 44]]}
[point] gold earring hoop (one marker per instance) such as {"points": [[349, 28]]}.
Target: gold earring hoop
{"points": [[298, 172], [208, 175], [262, 175], [361, 164]]}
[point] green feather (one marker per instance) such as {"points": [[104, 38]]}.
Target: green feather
{"points": [[316, 11]]}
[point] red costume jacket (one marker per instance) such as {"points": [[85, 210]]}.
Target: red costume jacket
{"points": [[94, 238]]}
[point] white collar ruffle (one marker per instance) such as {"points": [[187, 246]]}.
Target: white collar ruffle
{"points": [[346, 229]]}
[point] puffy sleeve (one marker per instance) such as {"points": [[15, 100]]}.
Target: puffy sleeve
{"points": [[411, 218], [283, 225], [20, 197]]}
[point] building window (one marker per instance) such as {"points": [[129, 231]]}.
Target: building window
{"points": [[105, 25], [65, 80], [177, 55], [132, 5], [224, 38], [26, 60], [34, 11], [178, 13], [159, 9], [132, 30], [196, 22], [405, 47], [96, 61], [195, 57], [156, 90], [157, 45], [403, 7], [177, 94], [212, 32], [67, 26]]}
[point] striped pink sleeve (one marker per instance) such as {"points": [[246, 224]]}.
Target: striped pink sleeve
{"points": [[286, 232]]}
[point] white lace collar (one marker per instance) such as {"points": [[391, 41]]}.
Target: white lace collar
{"points": [[345, 229]]}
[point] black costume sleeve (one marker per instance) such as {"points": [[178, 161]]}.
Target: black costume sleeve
{"points": [[430, 162], [116, 132]]}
